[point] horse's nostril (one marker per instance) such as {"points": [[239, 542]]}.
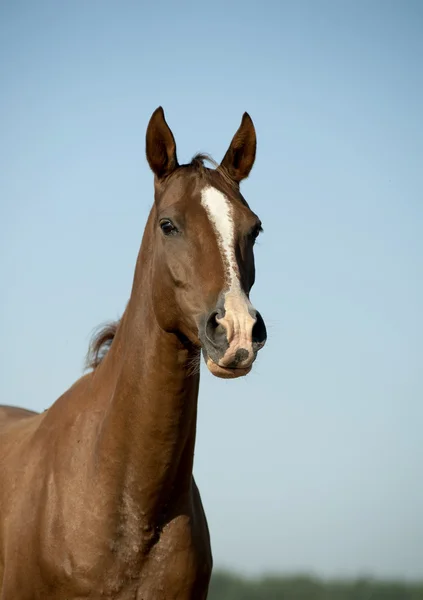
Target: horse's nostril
{"points": [[259, 333], [213, 327], [212, 321]]}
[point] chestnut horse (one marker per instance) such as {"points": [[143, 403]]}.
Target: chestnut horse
{"points": [[97, 496]]}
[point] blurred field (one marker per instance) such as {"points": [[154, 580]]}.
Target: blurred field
{"points": [[226, 586]]}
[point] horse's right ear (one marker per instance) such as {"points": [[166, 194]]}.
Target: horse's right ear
{"points": [[160, 145], [239, 159]]}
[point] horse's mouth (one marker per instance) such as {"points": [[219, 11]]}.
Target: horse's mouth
{"points": [[226, 372]]}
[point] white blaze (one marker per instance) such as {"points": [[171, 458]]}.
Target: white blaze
{"points": [[219, 211], [237, 320]]}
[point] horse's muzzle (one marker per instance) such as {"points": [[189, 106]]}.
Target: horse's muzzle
{"points": [[231, 341]]}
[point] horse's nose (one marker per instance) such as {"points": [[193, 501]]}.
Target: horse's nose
{"points": [[235, 339]]}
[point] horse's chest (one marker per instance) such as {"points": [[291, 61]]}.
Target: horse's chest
{"points": [[175, 565], [179, 566]]}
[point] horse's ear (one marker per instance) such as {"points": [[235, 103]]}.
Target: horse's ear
{"points": [[239, 159], [160, 145]]}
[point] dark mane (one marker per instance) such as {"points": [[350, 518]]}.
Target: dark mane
{"points": [[100, 344], [199, 159], [198, 163]]}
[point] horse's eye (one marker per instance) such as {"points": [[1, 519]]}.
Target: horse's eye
{"points": [[167, 227], [256, 232]]}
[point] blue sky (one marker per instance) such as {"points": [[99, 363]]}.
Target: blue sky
{"points": [[314, 461]]}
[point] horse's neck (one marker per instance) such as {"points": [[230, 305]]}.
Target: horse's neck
{"points": [[146, 441]]}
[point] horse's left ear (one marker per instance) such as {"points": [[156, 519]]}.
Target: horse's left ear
{"points": [[239, 159], [160, 145]]}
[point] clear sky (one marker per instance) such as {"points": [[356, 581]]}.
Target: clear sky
{"points": [[315, 461]]}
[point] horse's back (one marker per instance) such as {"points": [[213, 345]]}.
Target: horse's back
{"points": [[11, 414], [14, 412]]}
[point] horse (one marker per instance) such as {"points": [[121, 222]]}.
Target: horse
{"points": [[97, 494]]}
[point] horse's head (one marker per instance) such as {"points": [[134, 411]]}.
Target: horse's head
{"points": [[203, 263]]}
